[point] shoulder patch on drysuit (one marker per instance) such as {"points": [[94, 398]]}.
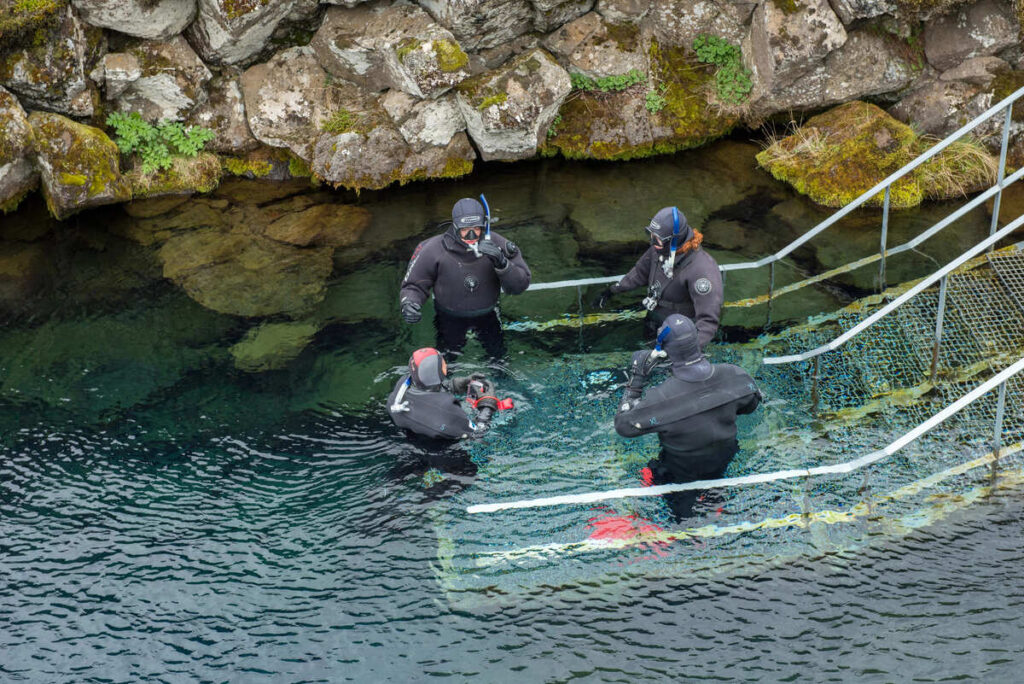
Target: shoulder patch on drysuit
{"points": [[702, 286]]}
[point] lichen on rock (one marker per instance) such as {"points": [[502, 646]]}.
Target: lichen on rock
{"points": [[835, 157]]}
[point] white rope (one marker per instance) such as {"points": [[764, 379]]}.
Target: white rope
{"points": [[839, 468]]}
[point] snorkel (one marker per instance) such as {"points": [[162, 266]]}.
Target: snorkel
{"points": [[400, 405], [487, 217], [662, 336], [673, 245]]}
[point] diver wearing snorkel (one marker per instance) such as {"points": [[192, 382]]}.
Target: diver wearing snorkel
{"points": [[680, 277], [693, 412], [466, 267]]}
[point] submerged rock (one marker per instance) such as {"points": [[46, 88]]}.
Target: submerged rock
{"points": [[79, 165], [271, 346], [837, 156], [322, 225], [143, 18], [18, 175], [508, 111]]}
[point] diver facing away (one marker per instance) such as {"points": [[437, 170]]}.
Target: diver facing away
{"points": [[693, 411], [466, 267], [423, 405], [680, 277]]}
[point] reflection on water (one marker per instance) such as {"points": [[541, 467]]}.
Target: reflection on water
{"points": [[188, 494]]}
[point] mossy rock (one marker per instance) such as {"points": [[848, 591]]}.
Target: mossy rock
{"points": [[186, 176], [272, 346], [837, 156], [22, 21], [79, 165]]}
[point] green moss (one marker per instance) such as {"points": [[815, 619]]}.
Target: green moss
{"points": [[787, 6], [72, 179], [239, 8], [456, 167], [403, 50], [1006, 84], [298, 168], [22, 22], [345, 121], [254, 168], [497, 98], [836, 156], [186, 175], [450, 56], [625, 36], [11, 204]]}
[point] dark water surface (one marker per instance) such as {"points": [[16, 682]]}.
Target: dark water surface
{"points": [[167, 516]]}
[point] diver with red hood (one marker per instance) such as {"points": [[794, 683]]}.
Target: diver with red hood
{"points": [[693, 411], [681, 278], [425, 403], [466, 267]]}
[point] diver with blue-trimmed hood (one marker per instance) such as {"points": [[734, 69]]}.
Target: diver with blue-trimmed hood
{"points": [[693, 411], [680, 277], [425, 403], [466, 268]]}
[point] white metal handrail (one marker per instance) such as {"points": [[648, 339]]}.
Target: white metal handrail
{"points": [[998, 380], [923, 284], [1005, 105]]}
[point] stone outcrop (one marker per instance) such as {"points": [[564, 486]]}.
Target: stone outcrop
{"points": [[979, 30], [396, 45], [18, 175], [786, 42], [939, 107], [424, 123], [235, 31], [849, 10], [170, 84], [679, 22], [508, 110], [224, 114], [142, 18], [50, 74], [79, 165], [271, 346], [550, 14], [597, 49], [482, 24]]}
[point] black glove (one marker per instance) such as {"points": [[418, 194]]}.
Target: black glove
{"points": [[484, 416], [494, 253], [478, 387], [460, 383], [602, 298], [411, 312], [640, 369]]}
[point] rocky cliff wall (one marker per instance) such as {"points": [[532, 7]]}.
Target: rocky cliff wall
{"points": [[366, 94]]}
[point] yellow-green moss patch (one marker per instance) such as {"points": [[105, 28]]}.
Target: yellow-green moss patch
{"points": [[495, 99], [186, 175], [450, 56], [27, 22], [837, 156], [252, 168]]}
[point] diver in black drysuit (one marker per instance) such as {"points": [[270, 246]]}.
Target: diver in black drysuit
{"points": [[467, 267], [690, 284], [693, 412]]}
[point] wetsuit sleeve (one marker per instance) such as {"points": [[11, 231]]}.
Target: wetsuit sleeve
{"points": [[638, 276], [706, 292], [749, 403], [515, 277], [439, 415], [634, 417], [421, 274]]}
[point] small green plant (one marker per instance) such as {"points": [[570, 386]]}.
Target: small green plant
{"points": [[340, 121], [156, 145], [607, 84], [553, 128], [732, 80], [655, 99]]}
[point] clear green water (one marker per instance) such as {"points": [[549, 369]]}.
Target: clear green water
{"points": [[166, 516]]}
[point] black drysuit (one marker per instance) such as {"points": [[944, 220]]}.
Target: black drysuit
{"points": [[695, 290], [465, 287], [436, 415], [696, 424]]}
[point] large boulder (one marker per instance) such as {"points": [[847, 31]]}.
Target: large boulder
{"points": [[550, 14], [18, 175], [981, 29], [394, 45], [321, 225], [224, 114], [290, 98], [185, 176], [141, 18], [593, 47], [837, 156], [508, 110], [679, 22], [867, 64], [849, 10], [938, 107], [788, 39], [115, 72], [424, 123], [272, 346], [79, 165], [621, 11], [170, 84], [235, 31], [481, 24], [50, 73]]}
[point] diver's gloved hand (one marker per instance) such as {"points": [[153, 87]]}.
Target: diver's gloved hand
{"points": [[602, 299], [494, 253], [640, 369], [484, 417], [478, 388], [460, 383], [411, 312]]}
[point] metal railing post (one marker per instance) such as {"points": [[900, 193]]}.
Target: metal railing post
{"points": [[939, 315], [997, 433], [884, 240], [814, 385], [771, 291], [1001, 173]]}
